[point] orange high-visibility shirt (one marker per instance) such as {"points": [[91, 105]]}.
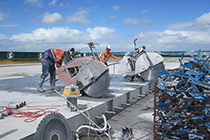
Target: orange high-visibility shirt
{"points": [[58, 56], [105, 56]]}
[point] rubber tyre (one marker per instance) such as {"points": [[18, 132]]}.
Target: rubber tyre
{"points": [[54, 126]]}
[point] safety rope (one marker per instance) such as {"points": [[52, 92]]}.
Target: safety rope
{"points": [[30, 112], [80, 111], [77, 109]]}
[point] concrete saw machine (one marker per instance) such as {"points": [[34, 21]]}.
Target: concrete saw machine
{"points": [[89, 73], [141, 65]]}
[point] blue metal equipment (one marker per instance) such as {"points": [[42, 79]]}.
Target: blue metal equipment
{"points": [[182, 100]]}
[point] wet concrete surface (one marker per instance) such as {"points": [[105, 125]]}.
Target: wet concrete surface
{"points": [[18, 83]]}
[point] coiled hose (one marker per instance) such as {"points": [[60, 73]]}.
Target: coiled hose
{"points": [[96, 129]]}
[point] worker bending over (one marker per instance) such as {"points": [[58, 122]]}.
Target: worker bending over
{"points": [[106, 54], [74, 53], [50, 58], [71, 54]]}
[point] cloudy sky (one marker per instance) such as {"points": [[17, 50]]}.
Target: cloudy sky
{"points": [[160, 25]]}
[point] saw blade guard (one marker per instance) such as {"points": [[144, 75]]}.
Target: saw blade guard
{"points": [[93, 78], [126, 66], [148, 64], [141, 64]]}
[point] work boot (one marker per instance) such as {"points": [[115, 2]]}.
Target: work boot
{"points": [[40, 88], [52, 83]]}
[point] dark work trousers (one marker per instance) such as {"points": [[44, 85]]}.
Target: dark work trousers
{"points": [[48, 64]]}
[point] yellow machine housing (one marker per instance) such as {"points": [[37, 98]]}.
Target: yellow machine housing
{"points": [[71, 91]]}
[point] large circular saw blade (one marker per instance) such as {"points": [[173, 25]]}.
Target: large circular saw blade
{"points": [[100, 86]]}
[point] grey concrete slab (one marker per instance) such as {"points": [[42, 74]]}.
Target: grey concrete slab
{"points": [[137, 117], [18, 83]]}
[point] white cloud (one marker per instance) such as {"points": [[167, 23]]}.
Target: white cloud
{"points": [[3, 15], [51, 18], [48, 35], [33, 2], [112, 17], [7, 44], [8, 25], [144, 11], [61, 4], [175, 40], [189, 36], [171, 36], [64, 34], [53, 2], [100, 32], [194, 24], [204, 19], [2, 37], [63, 38], [115, 7], [183, 25], [132, 21], [64, 5], [135, 21], [79, 17]]}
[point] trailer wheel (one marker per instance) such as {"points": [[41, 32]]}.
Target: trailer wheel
{"points": [[54, 126]]}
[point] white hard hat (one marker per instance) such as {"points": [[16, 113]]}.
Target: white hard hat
{"points": [[109, 47]]}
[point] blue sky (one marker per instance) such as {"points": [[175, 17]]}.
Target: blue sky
{"points": [[160, 25]]}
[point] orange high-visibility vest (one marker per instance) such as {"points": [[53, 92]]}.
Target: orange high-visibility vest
{"points": [[105, 56], [58, 56]]}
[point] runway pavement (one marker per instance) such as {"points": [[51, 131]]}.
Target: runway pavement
{"points": [[18, 83]]}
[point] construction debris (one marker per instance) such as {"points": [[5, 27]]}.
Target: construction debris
{"points": [[182, 100]]}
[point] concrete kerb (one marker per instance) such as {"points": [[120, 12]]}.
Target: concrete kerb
{"points": [[109, 105]]}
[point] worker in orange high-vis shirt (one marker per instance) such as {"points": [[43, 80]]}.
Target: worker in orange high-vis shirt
{"points": [[106, 54], [50, 58]]}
